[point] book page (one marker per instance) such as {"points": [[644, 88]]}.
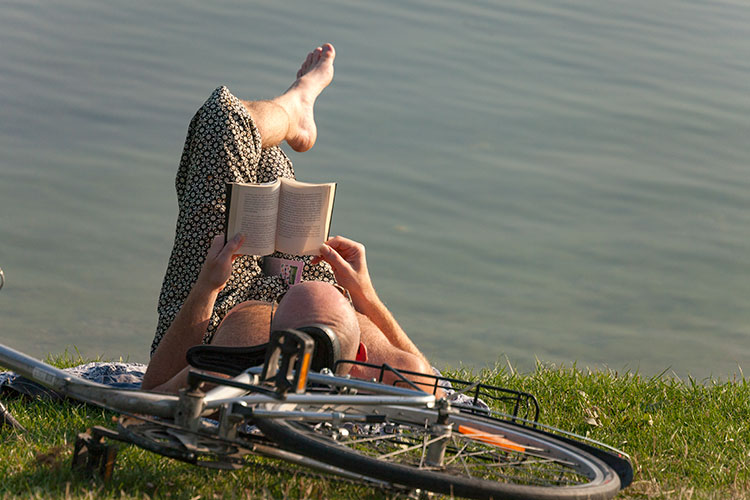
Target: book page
{"points": [[304, 216], [253, 212]]}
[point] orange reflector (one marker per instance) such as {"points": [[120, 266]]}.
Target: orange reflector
{"points": [[302, 379], [493, 439]]}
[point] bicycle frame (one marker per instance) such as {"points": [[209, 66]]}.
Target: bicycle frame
{"points": [[187, 408], [174, 406]]}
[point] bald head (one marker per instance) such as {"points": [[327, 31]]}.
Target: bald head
{"points": [[313, 302]]}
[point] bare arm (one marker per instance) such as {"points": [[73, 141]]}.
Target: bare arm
{"points": [[347, 258], [191, 322]]}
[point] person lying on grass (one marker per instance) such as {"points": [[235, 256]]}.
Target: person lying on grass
{"points": [[211, 295]]}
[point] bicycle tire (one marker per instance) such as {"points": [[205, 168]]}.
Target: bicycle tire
{"points": [[514, 462]]}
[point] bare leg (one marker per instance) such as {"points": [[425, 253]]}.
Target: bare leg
{"points": [[289, 117]]}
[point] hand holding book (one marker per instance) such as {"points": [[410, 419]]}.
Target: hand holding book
{"points": [[349, 263]]}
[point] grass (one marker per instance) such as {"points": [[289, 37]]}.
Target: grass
{"points": [[688, 439]]}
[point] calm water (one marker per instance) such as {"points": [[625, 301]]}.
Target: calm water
{"points": [[563, 180]]}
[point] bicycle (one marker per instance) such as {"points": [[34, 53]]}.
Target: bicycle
{"points": [[393, 436]]}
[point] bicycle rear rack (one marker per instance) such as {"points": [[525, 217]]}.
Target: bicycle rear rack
{"points": [[517, 405]]}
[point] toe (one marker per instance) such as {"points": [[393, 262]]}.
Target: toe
{"points": [[329, 53], [305, 65]]}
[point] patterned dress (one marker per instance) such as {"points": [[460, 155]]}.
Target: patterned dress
{"points": [[222, 145]]}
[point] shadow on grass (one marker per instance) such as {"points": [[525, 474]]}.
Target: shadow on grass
{"points": [[141, 474]]}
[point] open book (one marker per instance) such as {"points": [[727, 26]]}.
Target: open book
{"points": [[286, 215]]}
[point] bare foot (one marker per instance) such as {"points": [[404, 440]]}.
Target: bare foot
{"points": [[298, 101]]}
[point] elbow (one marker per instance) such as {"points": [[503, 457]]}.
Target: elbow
{"points": [[412, 363]]}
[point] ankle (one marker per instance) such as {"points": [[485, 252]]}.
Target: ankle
{"points": [[287, 105]]}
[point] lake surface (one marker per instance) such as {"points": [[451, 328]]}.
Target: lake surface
{"points": [[564, 181]]}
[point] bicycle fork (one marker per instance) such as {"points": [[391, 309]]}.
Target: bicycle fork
{"points": [[441, 432]]}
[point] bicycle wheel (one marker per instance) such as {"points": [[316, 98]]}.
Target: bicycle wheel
{"points": [[482, 458]]}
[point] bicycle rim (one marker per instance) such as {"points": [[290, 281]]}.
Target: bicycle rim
{"points": [[483, 458]]}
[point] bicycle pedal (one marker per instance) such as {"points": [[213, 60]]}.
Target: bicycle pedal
{"points": [[288, 359], [92, 455]]}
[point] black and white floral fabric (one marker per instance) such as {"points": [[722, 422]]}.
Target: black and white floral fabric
{"points": [[222, 145], [114, 374]]}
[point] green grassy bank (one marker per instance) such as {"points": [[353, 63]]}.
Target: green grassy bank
{"points": [[688, 440]]}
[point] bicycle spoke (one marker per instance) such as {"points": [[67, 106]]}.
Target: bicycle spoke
{"points": [[463, 452], [468, 453], [458, 453], [480, 458], [466, 466], [423, 445]]}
